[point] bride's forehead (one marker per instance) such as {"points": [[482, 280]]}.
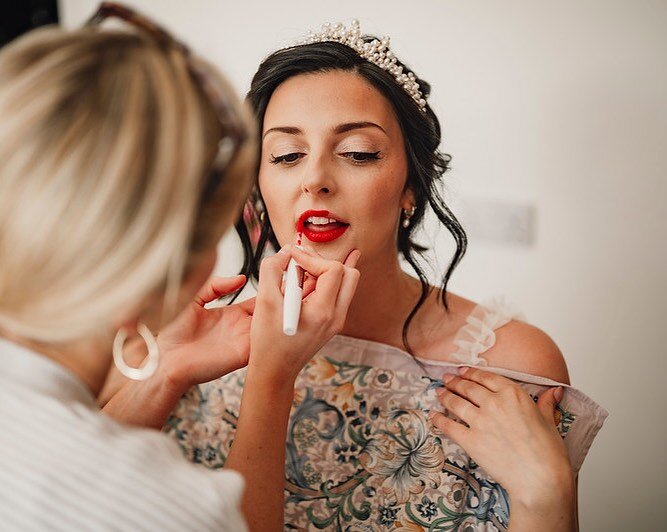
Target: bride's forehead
{"points": [[337, 78], [334, 93]]}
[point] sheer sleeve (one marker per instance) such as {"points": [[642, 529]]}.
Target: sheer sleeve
{"points": [[478, 334]]}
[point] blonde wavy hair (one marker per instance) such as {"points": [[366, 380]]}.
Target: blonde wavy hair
{"points": [[106, 144]]}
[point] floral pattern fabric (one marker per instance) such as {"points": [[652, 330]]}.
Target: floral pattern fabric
{"points": [[361, 453]]}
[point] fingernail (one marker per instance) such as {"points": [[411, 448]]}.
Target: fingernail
{"points": [[463, 369], [447, 378], [284, 249], [558, 394]]}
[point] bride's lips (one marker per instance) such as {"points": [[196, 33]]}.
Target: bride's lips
{"points": [[321, 234]]}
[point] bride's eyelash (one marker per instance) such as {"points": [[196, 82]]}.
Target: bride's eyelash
{"points": [[357, 157], [365, 156], [288, 158]]}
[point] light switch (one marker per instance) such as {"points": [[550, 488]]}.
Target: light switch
{"points": [[499, 221]]}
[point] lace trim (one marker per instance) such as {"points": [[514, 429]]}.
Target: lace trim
{"points": [[478, 335]]}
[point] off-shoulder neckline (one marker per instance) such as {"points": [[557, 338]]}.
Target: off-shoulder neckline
{"points": [[426, 361]]}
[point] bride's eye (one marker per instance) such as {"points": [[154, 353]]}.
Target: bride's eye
{"points": [[360, 157], [288, 158]]}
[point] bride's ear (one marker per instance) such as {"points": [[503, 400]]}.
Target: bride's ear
{"points": [[407, 199]]}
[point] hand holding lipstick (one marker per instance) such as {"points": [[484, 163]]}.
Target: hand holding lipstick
{"points": [[276, 355], [293, 291], [275, 361]]}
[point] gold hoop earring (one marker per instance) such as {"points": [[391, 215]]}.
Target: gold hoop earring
{"points": [[150, 365]]}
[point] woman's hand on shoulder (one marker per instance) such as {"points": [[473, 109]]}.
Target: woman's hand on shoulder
{"points": [[510, 436], [500, 426]]}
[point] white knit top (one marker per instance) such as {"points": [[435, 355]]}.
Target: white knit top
{"points": [[66, 466]]}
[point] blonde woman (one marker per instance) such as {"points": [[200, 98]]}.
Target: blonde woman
{"points": [[124, 160]]}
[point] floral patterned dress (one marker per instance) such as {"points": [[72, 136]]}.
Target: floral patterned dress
{"points": [[361, 453]]}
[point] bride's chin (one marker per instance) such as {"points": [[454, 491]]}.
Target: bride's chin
{"points": [[329, 252]]}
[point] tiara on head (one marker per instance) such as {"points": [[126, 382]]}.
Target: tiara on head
{"points": [[375, 51]]}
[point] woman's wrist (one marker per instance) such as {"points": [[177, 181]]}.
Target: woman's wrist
{"points": [[554, 493], [268, 375], [172, 377], [555, 511], [279, 382], [143, 403]]}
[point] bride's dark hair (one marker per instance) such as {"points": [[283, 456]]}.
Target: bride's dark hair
{"points": [[421, 131]]}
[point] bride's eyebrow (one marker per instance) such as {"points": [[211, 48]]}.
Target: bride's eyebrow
{"points": [[337, 130], [349, 126], [283, 129]]}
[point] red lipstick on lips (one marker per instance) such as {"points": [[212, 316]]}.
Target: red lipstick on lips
{"points": [[321, 233]]}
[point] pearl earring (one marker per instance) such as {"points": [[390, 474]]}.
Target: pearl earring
{"points": [[407, 215]]}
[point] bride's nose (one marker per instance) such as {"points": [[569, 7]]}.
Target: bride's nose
{"points": [[317, 179]]}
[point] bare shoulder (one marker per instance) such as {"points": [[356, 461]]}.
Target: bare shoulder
{"points": [[519, 346], [523, 347]]}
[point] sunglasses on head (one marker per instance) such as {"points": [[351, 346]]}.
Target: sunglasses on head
{"points": [[232, 126]]}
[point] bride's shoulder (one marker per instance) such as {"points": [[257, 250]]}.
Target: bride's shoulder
{"points": [[518, 345], [523, 347]]}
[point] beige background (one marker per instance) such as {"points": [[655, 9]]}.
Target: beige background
{"points": [[556, 106]]}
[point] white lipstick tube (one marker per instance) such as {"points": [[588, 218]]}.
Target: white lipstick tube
{"points": [[292, 301]]}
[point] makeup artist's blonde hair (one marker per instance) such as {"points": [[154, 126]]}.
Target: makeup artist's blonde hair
{"points": [[105, 147]]}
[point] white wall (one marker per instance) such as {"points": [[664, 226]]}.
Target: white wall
{"points": [[558, 105]]}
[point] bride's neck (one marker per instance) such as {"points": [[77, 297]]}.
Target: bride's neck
{"points": [[385, 296]]}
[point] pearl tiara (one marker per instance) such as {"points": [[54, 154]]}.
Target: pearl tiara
{"points": [[375, 51]]}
